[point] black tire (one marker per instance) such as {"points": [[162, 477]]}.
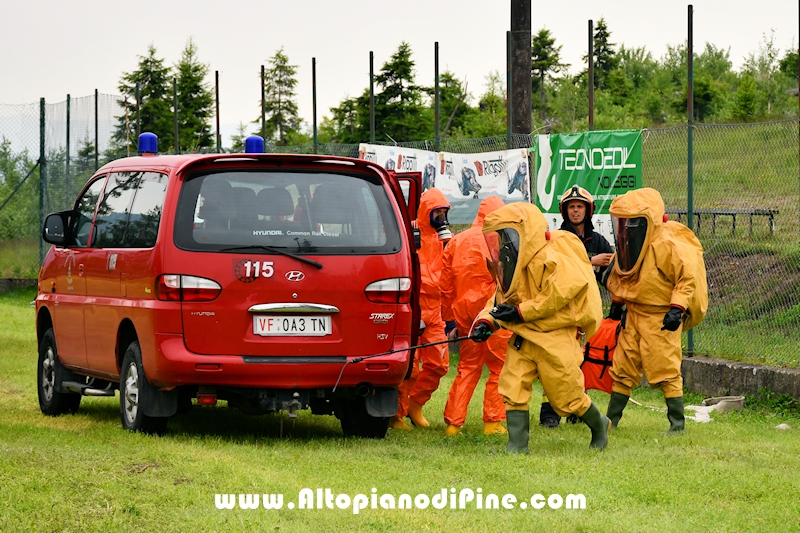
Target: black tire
{"points": [[131, 381], [357, 422], [52, 403]]}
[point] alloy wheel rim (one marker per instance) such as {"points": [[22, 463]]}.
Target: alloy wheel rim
{"points": [[49, 374], [131, 393]]}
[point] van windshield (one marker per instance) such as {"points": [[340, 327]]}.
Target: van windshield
{"points": [[303, 212]]}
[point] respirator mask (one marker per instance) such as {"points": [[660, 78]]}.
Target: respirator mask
{"points": [[440, 223]]}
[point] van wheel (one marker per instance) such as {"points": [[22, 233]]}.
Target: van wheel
{"points": [[130, 385], [357, 422], [52, 403]]}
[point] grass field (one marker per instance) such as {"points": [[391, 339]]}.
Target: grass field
{"points": [[84, 473]]}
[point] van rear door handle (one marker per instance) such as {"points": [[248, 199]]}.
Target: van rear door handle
{"points": [[293, 307]]}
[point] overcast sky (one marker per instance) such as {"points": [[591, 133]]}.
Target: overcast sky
{"points": [[52, 48]]}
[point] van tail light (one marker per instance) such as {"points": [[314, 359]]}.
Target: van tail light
{"points": [[177, 288], [389, 291]]}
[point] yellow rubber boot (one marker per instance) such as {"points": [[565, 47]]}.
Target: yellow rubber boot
{"points": [[494, 428], [415, 414], [398, 423], [452, 430]]}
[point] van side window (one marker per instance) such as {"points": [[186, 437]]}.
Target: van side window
{"points": [[112, 214], [145, 214], [84, 213]]}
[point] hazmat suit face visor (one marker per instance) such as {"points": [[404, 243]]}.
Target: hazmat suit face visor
{"points": [[504, 251], [630, 235]]}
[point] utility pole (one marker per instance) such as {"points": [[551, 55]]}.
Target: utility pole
{"points": [[520, 93]]}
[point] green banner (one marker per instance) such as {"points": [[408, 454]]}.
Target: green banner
{"points": [[606, 163]]}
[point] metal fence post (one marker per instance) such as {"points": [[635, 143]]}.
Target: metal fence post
{"points": [[509, 103], [690, 149], [371, 99], [66, 162], [263, 105], [42, 173], [138, 114], [436, 139], [590, 83], [314, 99], [216, 92], [96, 131], [175, 104]]}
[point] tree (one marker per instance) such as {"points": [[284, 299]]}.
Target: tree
{"points": [[349, 123], [489, 119], [237, 139], [744, 104], [399, 111], [763, 66], [83, 165], [155, 110], [605, 59], [788, 65], [453, 107], [195, 101], [570, 107], [282, 119], [546, 61]]}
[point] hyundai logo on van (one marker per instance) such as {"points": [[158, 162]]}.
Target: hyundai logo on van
{"points": [[295, 275]]}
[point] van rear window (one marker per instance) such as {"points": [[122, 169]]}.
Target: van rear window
{"points": [[303, 212]]}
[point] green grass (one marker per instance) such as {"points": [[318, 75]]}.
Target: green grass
{"points": [[19, 258], [84, 473]]}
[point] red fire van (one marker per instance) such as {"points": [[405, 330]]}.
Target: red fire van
{"points": [[261, 279]]}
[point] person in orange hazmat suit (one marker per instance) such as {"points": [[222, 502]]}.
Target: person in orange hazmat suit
{"points": [[466, 285], [435, 360]]}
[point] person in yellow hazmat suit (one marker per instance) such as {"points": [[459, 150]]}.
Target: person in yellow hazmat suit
{"points": [[465, 285], [577, 208], [548, 297], [660, 278], [415, 392]]}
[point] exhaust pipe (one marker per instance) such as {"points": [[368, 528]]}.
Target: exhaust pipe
{"points": [[363, 389]]}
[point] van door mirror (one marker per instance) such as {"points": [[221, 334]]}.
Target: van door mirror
{"points": [[55, 228]]}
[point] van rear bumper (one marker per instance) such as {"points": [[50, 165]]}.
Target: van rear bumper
{"points": [[170, 364]]}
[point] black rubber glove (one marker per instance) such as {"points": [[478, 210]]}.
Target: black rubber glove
{"points": [[506, 313], [673, 319], [616, 311], [449, 326], [481, 332]]}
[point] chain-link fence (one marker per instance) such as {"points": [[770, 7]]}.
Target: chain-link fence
{"points": [[60, 145], [746, 203], [747, 215]]}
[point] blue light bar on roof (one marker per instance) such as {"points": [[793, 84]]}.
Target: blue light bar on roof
{"points": [[148, 143], [254, 145]]}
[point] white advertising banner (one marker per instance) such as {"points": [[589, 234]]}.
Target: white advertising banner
{"points": [[465, 179]]}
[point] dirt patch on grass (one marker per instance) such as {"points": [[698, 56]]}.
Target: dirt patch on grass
{"points": [[139, 468]]}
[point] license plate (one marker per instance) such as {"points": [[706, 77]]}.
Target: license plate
{"points": [[301, 326]]}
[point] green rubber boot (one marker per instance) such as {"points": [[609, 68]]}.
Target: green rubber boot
{"points": [[599, 424], [615, 407], [677, 422], [518, 423]]}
